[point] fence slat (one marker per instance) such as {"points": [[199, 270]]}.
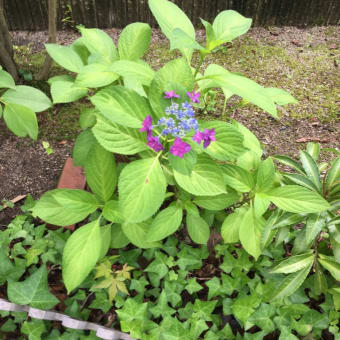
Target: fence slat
{"points": [[32, 14]]}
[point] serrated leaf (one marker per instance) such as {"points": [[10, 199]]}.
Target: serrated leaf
{"points": [[265, 175], [82, 146], [198, 228], [136, 234], [141, 187], [33, 291], [81, 253], [65, 91], [218, 202], [231, 225], [238, 178]]}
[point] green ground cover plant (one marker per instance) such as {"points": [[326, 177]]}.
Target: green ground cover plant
{"points": [[188, 231]]}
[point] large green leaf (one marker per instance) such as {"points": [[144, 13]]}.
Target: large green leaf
{"points": [[98, 42], [183, 165], [66, 91], [290, 283], [243, 87], [300, 180], [122, 106], [81, 253], [265, 175], [33, 291], [95, 75], [65, 56], [311, 168], [117, 138], [21, 120], [82, 147], [198, 228], [331, 265], [142, 187], [112, 212], [134, 41], [27, 96], [100, 170], [6, 80], [34, 329], [118, 238], [181, 40], [250, 232], [229, 141], [294, 263], [279, 96], [333, 175], [65, 206], [136, 233], [314, 225], [169, 17], [175, 75], [166, 222], [238, 178], [231, 226], [218, 202], [297, 199], [292, 163], [229, 24], [205, 179], [139, 71]]}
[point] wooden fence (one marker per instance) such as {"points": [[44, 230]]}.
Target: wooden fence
{"points": [[32, 14]]}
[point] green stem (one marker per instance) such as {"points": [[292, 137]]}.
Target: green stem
{"points": [[198, 66]]}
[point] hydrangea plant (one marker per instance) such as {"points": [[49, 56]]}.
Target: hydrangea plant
{"points": [[175, 171]]}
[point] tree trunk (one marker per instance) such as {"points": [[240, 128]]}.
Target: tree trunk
{"points": [[6, 48], [52, 38]]}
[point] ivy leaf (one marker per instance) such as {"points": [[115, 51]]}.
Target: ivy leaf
{"points": [[34, 329], [193, 286], [33, 291], [8, 271], [173, 297], [214, 286], [197, 328], [101, 302], [162, 308], [262, 317], [204, 309], [132, 310], [244, 307]]}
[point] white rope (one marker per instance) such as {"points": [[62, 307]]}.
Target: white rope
{"points": [[66, 321]]}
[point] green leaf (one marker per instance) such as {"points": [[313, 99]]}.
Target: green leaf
{"points": [[100, 171], [331, 265], [291, 283], [210, 35], [214, 286], [229, 141], [166, 222], [193, 286], [34, 329], [118, 238], [198, 228], [231, 226], [250, 232], [265, 175], [169, 17], [243, 87], [320, 281], [139, 71], [181, 40], [8, 270], [314, 225], [33, 291], [297, 199], [27, 96], [290, 162], [136, 233], [141, 187], [244, 307], [205, 179], [105, 233], [294, 263], [279, 96], [162, 307], [121, 105], [6, 80], [98, 42], [300, 180], [87, 118], [263, 317], [64, 207], [95, 75], [82, 146], [311, 168], [134, 41], [112, 212], [117, 138], [229, 24], [238, 178], [65, 56], [21, 120], [333, 175], [175, 75], [66, 92], [218, 202], [183, 165], [81, 253]]}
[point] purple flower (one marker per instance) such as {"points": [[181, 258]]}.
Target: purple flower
{"points": [[179, 148], [153, 143], [147, 125], [194, 96], [207, 137], [171, 94]]}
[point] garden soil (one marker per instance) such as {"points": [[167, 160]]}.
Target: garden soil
{"points": [[26, 168]]}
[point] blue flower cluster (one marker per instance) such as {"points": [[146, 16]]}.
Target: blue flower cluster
{"points": [[181, 123]]}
